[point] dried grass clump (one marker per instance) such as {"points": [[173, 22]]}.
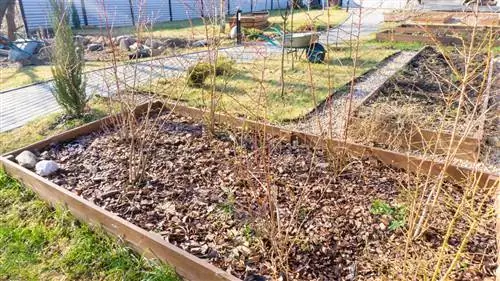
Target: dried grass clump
{"points": [[383, 124]]}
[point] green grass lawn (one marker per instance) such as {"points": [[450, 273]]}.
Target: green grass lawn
{"points": [[13, 77], [313, 19], [46, 126], [38, 242], [254, 89], [196, 28]]}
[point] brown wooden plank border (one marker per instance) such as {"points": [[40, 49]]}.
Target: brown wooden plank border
{"points": [[389, 35], [415, 28], [454, 172], [467, 149], [147, 243], [152, 245]]}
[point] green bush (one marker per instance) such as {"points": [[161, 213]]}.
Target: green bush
{"points": [[224, 67], [68, 64], [253, 33], [198, 73], [75, 18]]}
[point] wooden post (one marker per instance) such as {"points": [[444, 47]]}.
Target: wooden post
{"points": [[238, 27]]}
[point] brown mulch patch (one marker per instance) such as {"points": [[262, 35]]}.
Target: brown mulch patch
{"points": [[210, 196], [425, 94]]}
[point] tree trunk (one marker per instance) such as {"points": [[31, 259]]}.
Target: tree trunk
{"points": [[8, 7]]}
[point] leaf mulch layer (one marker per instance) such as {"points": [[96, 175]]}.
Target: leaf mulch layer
{"points": [[426, 93], [217, 198]]}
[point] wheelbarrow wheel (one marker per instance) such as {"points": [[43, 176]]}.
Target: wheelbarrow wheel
{"points": [[316, 53]]}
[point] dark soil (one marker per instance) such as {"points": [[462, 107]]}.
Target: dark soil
{"points": [[210, 196], [426, 94]]}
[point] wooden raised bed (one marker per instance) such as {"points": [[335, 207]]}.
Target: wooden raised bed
{"points": [[441, 28], [467, 18], [257, 20], [432, 18], [468, 147], [422, 35], [152, 245], [396, 16]]}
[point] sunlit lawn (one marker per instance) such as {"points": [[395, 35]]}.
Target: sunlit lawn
{"points": [[254, 90], [38, 242], [13, 77], [196, 28]]}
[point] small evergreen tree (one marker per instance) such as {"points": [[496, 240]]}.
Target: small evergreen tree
{"points": [[75, 18], [68, 63]]}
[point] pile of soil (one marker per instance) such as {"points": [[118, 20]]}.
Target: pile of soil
{"points": [[212, 196]]}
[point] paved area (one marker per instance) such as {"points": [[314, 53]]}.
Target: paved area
{"points": [[360, 24], [19, 106]]}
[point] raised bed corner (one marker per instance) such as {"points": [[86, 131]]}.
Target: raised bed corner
{"points": [[153, 245]]}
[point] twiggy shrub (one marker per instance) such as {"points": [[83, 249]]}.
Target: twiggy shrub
{"points": [[68, 64]]}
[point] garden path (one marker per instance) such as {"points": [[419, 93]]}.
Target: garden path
{"points": [[21, 105], [329, 118]]}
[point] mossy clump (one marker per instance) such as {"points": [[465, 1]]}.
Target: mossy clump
{"points": [[198, 73], [224, 67]]}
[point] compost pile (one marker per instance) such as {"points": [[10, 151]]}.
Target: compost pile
{"points": [[210, 196]]}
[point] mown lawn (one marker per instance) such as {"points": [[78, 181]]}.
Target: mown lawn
{"points": [[38, 242], [196, 28], [13, 77], [52, 124], [254, 89]]}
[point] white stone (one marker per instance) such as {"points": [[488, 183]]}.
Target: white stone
{"points": [[26, 159], [233, 33], [382, 226], [46, 167]]}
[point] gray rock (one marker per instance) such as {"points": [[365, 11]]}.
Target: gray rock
{"points": [[94, 47], [152, 43], [493, 141], [233, 33], [26, 159], [134, 47], [200, 43], [176, 43], [121, 37], [80, 39], [124, 44], [46, 168]]}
